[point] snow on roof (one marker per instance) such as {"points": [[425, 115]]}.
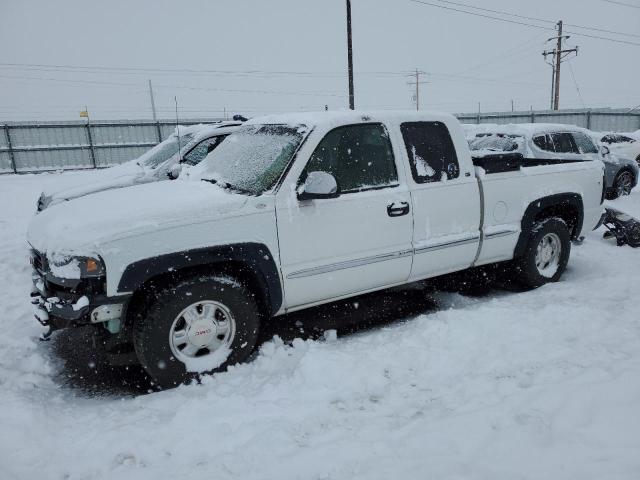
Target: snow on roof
{"points": [[312, 119], [526, 129]]}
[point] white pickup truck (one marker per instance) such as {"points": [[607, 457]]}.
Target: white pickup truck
{"points": [[293, 211]]}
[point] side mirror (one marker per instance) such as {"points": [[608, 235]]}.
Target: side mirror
{"points": [[318, 185], [174, 172]]}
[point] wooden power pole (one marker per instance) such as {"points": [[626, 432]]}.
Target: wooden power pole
{"points": [[417, 84], [558, 55], [350, 57]]}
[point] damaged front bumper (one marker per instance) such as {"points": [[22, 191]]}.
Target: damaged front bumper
{"points": [[61, 303]]}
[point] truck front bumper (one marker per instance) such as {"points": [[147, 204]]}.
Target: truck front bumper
{"points": [[60, 305]]}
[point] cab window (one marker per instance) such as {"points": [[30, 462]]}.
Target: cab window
{"points": [[431, 152], [360, 157]]}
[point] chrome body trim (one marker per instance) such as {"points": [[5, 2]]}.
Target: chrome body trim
{"points": [[504, 233], [349, 264], [439, 246]]}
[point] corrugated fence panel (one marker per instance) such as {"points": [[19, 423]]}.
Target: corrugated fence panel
{"points": [[111, 134], [108, 156], [28, 161], [618, 123], [5, 163], [48, 136]]}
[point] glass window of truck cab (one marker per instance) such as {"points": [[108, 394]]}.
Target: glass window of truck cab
{"points": [[360, 157], [432, 155]]}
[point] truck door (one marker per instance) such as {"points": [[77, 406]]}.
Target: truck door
{"points": [[445, 198], [357, 242]]}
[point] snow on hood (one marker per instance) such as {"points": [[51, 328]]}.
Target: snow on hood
{"points": [[79, 227], [123, 175]]}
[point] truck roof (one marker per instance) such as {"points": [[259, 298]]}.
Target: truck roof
{"points": [[324, 118]]}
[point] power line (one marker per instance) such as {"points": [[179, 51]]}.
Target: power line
{"points": [[537, 19], [520, 23], [182, 87], [622, 3]]}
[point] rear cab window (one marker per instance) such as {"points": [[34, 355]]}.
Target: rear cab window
{"points": [[432, 154]]}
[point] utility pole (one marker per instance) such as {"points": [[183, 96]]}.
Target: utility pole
{"points": [[350, 57], [153, 103], [558, 55], [417, 83]]}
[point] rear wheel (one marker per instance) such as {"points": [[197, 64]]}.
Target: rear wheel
{"points": [[200, 325], [546, 254]]}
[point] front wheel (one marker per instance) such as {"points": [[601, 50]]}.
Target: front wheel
{"points": [[546, 254], [202, 324]]}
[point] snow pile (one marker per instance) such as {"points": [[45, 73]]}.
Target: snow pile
{"points": [[541, 384]]}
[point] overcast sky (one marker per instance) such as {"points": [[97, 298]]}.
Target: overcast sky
{"points": [[259, 56]]}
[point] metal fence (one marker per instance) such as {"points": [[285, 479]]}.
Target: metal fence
{"points": [[599, 120], [44, 146]]}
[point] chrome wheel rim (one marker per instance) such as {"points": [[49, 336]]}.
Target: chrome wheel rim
{"points": [[548, 255], [200, 330], [624, 183]]}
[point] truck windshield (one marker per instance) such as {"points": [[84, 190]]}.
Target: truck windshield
{"points": [[495, 142], [252, 159], [163, 151]]}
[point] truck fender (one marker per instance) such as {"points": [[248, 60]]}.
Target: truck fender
{"points": [[567, 206], [254, 257]]}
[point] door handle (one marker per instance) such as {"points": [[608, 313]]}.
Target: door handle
{"points": [[394, 211]]}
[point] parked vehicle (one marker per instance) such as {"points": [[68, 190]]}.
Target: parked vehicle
{"points": [[293, 211], [548, 141], [622, 145], [161, 162]]}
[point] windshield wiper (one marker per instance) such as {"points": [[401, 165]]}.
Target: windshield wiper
{"points": [[228, 186]]}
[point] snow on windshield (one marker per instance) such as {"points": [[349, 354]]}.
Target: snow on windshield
{"points": [[496, 143], [253, 158]]}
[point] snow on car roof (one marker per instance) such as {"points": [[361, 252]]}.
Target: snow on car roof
{"points": [[527, 129], [314, 119]]}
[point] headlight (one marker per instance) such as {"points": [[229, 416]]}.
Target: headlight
{"points": [[74, 267]]}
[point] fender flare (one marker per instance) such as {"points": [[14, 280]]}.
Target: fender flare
{"points": [[255, 257], [573, 200]]}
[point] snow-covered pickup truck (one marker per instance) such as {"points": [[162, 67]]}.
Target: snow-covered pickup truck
{"points": [[293, 211]]}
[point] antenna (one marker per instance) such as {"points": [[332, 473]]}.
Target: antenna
{"points": [[175, 99]]}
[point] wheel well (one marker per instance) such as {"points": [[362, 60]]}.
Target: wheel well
{"points": [[567, 206], [567, 212], [235, 269]]}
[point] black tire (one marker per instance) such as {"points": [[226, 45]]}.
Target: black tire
{"points": [[526, 271], [152, 327], [622, 185]]}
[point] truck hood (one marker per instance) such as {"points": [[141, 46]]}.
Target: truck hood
{"points": [[120, 176], [81, 226]]}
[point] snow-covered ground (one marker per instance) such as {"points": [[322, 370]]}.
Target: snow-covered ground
{"points": [[531, 385]]}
